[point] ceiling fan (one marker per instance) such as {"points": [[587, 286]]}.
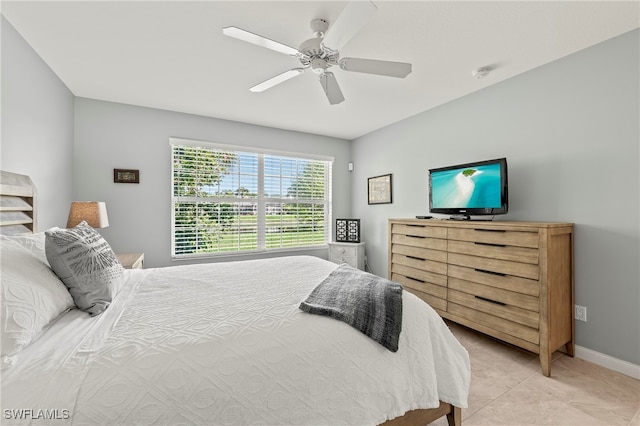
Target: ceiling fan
{"points": [[322, 52]]}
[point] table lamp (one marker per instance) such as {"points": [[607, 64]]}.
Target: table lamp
{"points": [[93, 212]]}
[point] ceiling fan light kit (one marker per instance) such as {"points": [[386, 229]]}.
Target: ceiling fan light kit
{"points": [[322, 51]]}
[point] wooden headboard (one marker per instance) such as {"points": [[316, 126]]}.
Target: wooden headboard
{"points": [[17, 204]]}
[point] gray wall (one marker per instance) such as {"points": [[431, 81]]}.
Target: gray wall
{"points": [[37, 126], [570, 132], [110, 135]]}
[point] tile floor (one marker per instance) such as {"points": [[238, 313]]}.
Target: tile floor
{"points": [[508, 388]]}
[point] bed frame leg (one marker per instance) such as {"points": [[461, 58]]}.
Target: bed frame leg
{"points": [[455, 416]]}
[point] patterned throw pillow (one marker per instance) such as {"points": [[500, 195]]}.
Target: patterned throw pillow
{"points": [[86, 264]]}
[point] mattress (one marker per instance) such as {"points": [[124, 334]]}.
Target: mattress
{"points": [[226, 344]]}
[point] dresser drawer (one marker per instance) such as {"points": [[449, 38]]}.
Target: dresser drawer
{"points": [[349, 260], [493, 322], [494, 251], [419, 285], [350, 253], [418, 253], [423, 270], [506, 282], [496, 266], [495, 236], [339, 251], [419, 231], [507, 313], [417, 241], [503, 297]]}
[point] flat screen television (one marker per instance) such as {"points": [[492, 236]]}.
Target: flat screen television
{"points": [[462, 190]]}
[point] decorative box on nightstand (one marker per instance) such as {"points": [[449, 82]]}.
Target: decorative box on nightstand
{"points": [[349, 253], [131, 260]]}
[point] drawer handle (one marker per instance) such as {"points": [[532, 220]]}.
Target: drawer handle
{"points": [[414, 257], [489, 244], [490, 301], [416, 279], [500, 274], [415, 226], [415, 236], [489, 230]]}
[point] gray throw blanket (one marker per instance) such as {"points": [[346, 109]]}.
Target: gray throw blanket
{"points": [[366, 302]]}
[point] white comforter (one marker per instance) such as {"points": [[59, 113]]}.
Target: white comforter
{"points": [[226, 344]]}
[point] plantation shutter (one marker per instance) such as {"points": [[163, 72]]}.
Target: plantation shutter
{"points": [[227, 200]]}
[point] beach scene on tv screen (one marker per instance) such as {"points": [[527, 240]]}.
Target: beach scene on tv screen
{"points": [[467, 187]]}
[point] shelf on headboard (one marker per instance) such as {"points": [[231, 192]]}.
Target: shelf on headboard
{"points": [[17, 204]]}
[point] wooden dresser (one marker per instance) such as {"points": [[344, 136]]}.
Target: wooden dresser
{"points": [[510, 280]]}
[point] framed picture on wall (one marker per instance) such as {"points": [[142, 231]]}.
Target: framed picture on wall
{"points": [[379, 189], [126, 176]]}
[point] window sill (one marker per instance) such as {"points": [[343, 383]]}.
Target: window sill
{"points": [[258, 254]]}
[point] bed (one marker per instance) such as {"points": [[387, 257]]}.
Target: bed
{"points": [[220, 343]]}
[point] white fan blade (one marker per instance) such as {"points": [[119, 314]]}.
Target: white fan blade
{"points": [[331, 88], [373, 66], [277, 80], [249, 37], [352, 18]]}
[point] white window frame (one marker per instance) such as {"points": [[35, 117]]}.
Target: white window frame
{"points": [[261, 200]]}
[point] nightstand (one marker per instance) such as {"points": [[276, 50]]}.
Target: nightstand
{"points": [[349, 253], [131, 260]]}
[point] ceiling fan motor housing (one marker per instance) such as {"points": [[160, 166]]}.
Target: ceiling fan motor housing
{"points": [[313, 55]]}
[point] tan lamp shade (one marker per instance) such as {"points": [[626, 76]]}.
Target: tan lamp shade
{"points": [[93, 212]]}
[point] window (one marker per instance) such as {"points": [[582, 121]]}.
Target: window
{"points": [[227, 199]]}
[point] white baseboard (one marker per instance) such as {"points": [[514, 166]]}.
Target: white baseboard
{"points": [[603, 360]]}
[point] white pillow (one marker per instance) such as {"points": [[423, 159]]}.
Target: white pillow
{"points": [[31, 297], [32, 242]]}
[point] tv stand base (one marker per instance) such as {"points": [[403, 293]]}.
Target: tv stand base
{"points": [[460, 217]]}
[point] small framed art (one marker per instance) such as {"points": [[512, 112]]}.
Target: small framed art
{"points": [[379, 189], [348, 230], [126, 176]]}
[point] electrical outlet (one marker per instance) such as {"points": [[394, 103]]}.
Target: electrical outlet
{"points": [[581, 313]]}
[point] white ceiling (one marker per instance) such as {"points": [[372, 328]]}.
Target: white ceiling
{"points": [[172, 55]]}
